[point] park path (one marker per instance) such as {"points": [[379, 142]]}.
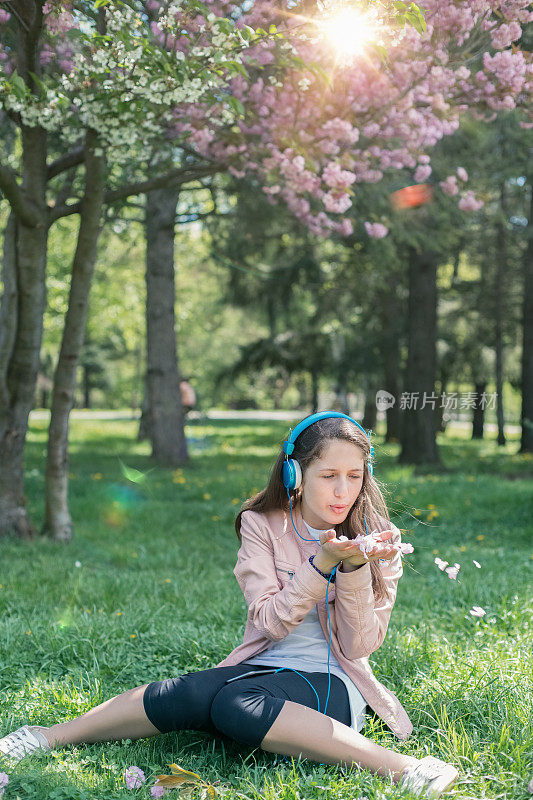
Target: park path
{"points": [[247, 414]]}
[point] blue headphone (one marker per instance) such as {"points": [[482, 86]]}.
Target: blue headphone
{"points": [[292, 472], [292, 479]]}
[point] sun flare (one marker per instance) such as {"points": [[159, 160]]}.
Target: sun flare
{"points": [[348, 31]]}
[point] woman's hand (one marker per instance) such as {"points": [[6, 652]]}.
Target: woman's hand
{"points": [[349, 552]]}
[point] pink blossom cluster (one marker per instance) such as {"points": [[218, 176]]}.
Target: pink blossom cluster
{"points": [[423, 99], [4, 780], [311, 142], [469, 202], [376, 230], [450, 186], [502, 36]]}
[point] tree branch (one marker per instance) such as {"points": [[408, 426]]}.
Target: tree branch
{"points": [[175, 177], [64, 163], [19, 206]]}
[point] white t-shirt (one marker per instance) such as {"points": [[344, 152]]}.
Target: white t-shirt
{"points": [[306, 649]]}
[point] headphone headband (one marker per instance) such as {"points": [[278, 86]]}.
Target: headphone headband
{"points": [[288, 444]]}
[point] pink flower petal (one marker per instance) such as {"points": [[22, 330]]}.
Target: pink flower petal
{"points": [[452, 572], [477, 611], [478, 565], [406, 548]]}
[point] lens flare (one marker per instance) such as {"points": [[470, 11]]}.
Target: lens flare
{"points": [[412, 196], [120, 503]]}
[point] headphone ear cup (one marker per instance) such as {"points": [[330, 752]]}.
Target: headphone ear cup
{"points": [[298, 474], [292, 474]]}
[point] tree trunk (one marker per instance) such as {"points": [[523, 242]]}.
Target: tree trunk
{"points": [[370, 413], [478, 416], [392, 385], [526, 444], [21, 327], [166, 424], [419, 445], [314, 391], [86, 387], [442, 423], [392, 314], [501, 266], [145, 431], [58, 522]]}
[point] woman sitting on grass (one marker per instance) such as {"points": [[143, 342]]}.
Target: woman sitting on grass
{"points": [[318, 603]]}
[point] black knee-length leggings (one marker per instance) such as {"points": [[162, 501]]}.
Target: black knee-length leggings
{"points": [[243, 710]]}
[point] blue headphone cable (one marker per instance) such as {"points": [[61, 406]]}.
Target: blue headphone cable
{"points": [[334, 570]]}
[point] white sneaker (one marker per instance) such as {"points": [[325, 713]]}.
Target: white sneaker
{"points": [[431, 777], [21, 742]]}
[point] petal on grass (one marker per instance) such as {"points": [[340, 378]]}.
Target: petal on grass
{"points": [[477, 611]]}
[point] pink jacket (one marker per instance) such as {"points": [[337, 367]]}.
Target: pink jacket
{"points": [[280, 587]]}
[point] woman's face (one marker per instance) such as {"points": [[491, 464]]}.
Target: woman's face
{"points": [[331, 484]]}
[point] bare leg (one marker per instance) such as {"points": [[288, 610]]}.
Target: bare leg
{"points": [[299, 730], [122, 717]]}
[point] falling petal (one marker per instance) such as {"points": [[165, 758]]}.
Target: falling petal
{"points": [[478, 565], [452, 572]]}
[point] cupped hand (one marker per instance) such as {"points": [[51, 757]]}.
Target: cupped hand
{"points": [[350, 552]]}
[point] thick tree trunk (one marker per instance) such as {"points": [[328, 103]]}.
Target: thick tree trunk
{"points": [[166, 424], [526, 444], [419, 445], [21, 327], [478, 415], [58, 522], [501, 266]]}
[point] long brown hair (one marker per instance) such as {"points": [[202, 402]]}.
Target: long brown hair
{"points": [[309, 446]]}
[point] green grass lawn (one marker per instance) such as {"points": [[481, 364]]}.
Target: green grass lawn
{"points": [[146, 591]]}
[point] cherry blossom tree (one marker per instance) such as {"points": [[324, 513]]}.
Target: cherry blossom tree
{"points": [[256, 88]]}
